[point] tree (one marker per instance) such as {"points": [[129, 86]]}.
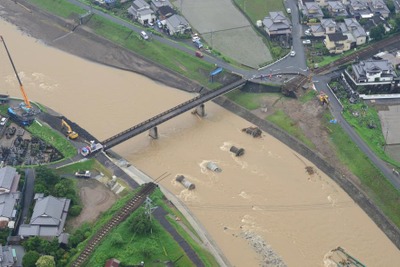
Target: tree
{"points": [[390, 5], [141, 223], [377, 32], [46, 261], [30, 258]]}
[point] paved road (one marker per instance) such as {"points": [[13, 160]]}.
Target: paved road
{"points": [[28, 194], [336, 109]]}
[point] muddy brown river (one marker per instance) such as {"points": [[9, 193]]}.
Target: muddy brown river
{"points": [[267, 192]]}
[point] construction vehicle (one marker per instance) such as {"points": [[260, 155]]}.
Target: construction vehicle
{"points": [[24, 114], [91, 148], [323, 98], [70, 134]]}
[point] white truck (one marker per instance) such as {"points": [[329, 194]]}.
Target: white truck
{"points": [[91, 148], [83, 174]]}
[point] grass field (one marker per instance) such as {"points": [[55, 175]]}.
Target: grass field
{"points": [[373, 181], [259, 9]]}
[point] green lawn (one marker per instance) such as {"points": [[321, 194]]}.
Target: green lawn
{"points": [[60, 8], [284, 122], [53, 138], [259, 9], [249, 101]]}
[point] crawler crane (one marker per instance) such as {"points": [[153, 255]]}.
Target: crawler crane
{"points": [[24, 114]]}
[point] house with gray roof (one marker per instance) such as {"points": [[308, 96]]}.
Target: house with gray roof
{"points": [[177, 24], [327, 26], [355, 28], [156, 4], [48, 218], [9, 179], [277, 24], [8, 209], [379, 7], [372, 71], [359, 9], [337, 9], [312, 10], [140, 11]]}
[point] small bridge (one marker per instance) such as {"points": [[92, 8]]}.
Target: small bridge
{"points": [[150, 124]]}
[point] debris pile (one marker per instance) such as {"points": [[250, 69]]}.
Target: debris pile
{"points": [[237, 151], [213, 167], [269, 257], [253, 131], [184, 182]]}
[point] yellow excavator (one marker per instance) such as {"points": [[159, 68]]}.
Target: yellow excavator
{"points": [[70, 134], [323, 98]]}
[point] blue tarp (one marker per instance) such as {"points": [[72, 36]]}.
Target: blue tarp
{"points": [[216, 71]]}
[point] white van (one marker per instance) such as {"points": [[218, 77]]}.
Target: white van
{"points": [[144, 35]]}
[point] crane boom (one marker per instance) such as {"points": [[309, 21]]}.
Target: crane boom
{"points": [[26, 100]]}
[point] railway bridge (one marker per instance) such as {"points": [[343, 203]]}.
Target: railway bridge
{"points": [[151, 124]]}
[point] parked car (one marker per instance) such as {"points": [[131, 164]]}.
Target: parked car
{"points": [[292, 53], [159, 24], [3, 121], [199, 54], [144, 35], [198, 44], [288, 10], [307, 41], [307, 32]]}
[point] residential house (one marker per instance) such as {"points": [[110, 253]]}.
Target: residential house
{"points": [[177, 24], [356, 30], [277, 24], [48, 218], [373, 71], [359, 9], [379, 7], [8, 209], [327, 26], [337, 43], [337, 9], [156, 4], [112, 263], [322, 2], [165, 12], [9, 179], [140, 10], [393, 59], [312, 10]]}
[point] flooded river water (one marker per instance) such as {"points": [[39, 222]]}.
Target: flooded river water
{"points": [[267, 191]]}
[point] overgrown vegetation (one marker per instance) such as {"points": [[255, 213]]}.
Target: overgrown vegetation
{"points": [[36, 246], [373, 181], [53, 138], [259, 9], [284, 122], [138, 239], [365, 121], [49, 183]]}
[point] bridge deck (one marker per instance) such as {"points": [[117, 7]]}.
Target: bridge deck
{"points": [[169, 114]]}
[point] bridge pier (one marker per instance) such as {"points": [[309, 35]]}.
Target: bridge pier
{"points": [[200, 110], [153, 133]]}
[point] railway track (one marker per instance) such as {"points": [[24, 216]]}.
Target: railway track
{"points": [[119, 217], [369, 51], [295, 84]]}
